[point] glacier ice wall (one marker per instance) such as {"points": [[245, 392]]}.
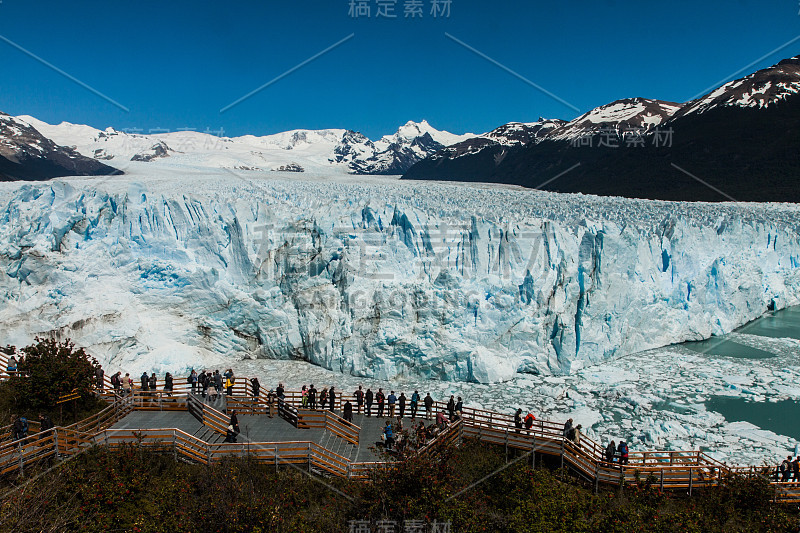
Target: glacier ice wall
{"points": [[380, 280]]}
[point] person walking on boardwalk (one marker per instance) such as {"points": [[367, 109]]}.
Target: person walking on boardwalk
{"points": [[576, 435], [348, 411], [145, 381], [401, 403], [323, 398], [116, 382], [256, 385], [518, 420], [380, 399], [235, 422], [451, 408], [414, 404], [127, 384], [611, 449], [312, 397], [622, 449], [230, 434], [428, 405], [389, 433], [368, 399], [392, 401], [359, 394], [529, 418], [192, 379], [332, 398], [98, 374]]}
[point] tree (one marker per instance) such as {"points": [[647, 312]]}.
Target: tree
{"points": [[51, 369]]}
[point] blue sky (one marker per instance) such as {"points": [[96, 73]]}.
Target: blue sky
{"points": [[176, 64]]}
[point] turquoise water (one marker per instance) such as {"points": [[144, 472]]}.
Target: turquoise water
{"points": [[781, 417], [724, 347], [777, 324]]}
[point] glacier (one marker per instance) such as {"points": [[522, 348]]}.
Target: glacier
{"points": [[169, 267]]}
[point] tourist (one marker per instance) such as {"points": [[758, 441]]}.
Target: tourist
{"points": [[348, 411], [392, 401], [323, 398], [235, 422], [359, 394], [576, 435], [304, 397], [168, 384], [217, 383], [451, 407], [368, 399], [192, 379], [20, 428], [332, 398], [98, 375], [441, 420], [428, 405], [280, 392], [127, 384], [202, 379], [12, 364], [387, 431], [401, 403], [271, 403], [459, 407], [45, 425], [518, 420], [414, 404], [145, 380], [529, 418], [611, 450], [796, 469], [380, 400], [622, 449], [567, 427], [256, 386], [152, 383], [212, 392], [312, 397], [786, 469], [116, 382], [229, 384], [230, 434]]}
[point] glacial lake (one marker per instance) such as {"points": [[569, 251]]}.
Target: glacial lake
{"points": [[781, 417]]}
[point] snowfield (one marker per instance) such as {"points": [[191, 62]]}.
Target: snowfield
{"points": [[171, 267]]}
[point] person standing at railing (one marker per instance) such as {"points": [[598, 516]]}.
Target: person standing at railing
{"points": [[459, 407], [622, 449], [380, 399], [518, 420], [229, 385], [152, 383], [348, 411], [786, 469], [414, 404], [451, 407], [368, 398], [392, 401], [192, 379], [271, 403], [168, 384], [332, 398], [304, 397], [217, 383], [529, 419], [359, 394], [796, 469], [127, 384], [323, 398], [312, 397], [254, 383], [145, 382], [202, 380], [280, 392], [428, 405], [567, 427], [401, 403], [611, 450]]}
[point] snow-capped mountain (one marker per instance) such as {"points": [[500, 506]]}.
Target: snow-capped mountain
{"points": [[25, 154], [758, 90], [345, 150], [739, 141], [637, 114]]}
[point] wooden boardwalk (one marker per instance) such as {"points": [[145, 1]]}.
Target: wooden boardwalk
{"points": [[321, 441]]}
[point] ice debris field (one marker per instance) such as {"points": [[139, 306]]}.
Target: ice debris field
{"points": [[568, 300]]}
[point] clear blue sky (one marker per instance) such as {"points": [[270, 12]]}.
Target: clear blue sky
{"points": [[175, 64]]}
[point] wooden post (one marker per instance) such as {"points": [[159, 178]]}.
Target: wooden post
{"points": [[690, 481], [275, 451], [533, 453], [55, 440], [596, 476], [174, 445], [309, 457], [506, 445], [562, 452], [662, 480]]}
